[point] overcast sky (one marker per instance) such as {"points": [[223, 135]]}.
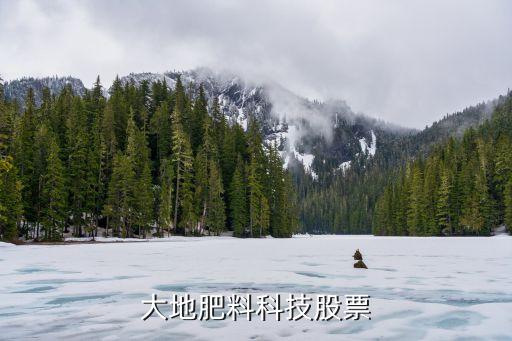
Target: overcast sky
{"points": [[407, 62]]}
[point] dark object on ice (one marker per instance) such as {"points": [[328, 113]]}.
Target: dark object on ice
{"points": [[358, 255], [359, 258], [360, 265]]}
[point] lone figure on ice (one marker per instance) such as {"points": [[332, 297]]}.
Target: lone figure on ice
{"points": [[359, 258]]}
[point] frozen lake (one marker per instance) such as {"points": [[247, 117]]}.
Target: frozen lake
{"points": [[420, 288]]}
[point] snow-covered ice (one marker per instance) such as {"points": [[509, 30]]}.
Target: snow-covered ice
{"points": [[421, 288]]}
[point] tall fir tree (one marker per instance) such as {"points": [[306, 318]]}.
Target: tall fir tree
{"points": [[11, 205], [165, 203], [119, 206], [53, 194], [216, 214], [199, 115], [138, 155], [78, 168], [24, 157], [443, 215], [161, 130], [508, 205], [183, 164], [238, 201]]}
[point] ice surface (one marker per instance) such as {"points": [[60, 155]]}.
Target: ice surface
{"points": [[421, 288]]}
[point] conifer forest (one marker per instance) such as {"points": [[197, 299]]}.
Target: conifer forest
{"points": [[146, 161]]}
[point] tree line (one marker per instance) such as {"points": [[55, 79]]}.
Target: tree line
{"points": [[463, 187], [144, 160]]}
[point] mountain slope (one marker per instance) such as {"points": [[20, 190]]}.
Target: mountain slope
{"points": [[341, 160], [464, 187], [17, 89]]}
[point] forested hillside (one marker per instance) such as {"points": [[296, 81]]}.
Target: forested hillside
{"points": [[463, 187], [344, 200], [145, 160], [338, 162]]}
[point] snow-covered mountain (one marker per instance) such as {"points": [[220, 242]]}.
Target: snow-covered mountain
{"points": [[17, 89], [320, 136]]}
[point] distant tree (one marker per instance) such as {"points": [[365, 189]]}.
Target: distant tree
{"points": [[444, 217]]}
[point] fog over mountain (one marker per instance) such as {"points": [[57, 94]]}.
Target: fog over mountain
{"points": [[407, 62]]}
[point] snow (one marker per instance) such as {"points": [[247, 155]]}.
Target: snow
{"points": [[372, 148], [292, 136], [305, 159], [119, 240], [421, 288], [344, 166], [241, 119], [314, 175]]}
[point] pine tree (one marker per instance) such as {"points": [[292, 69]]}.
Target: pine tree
{"points": [[401, 208], [94, 104], [379, 217], [289, 198], [165, 204], [95, 174], [182, 106], [277, 194], [430, 190], [138, 155], [10, 200], [53, 194], [502, 170], [216, 216], [238, 201], [40, 153], [219, 124], [183, 165], [108, 143], [508, 205], [443, 215], [202, 187], [120, 112], [119, 206], [24, 157], [78, 168], [415, 215], [472, 219], [228, 155], [7, 127], [258, 203], [199, 115], [58, 119], [161, 128]]}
